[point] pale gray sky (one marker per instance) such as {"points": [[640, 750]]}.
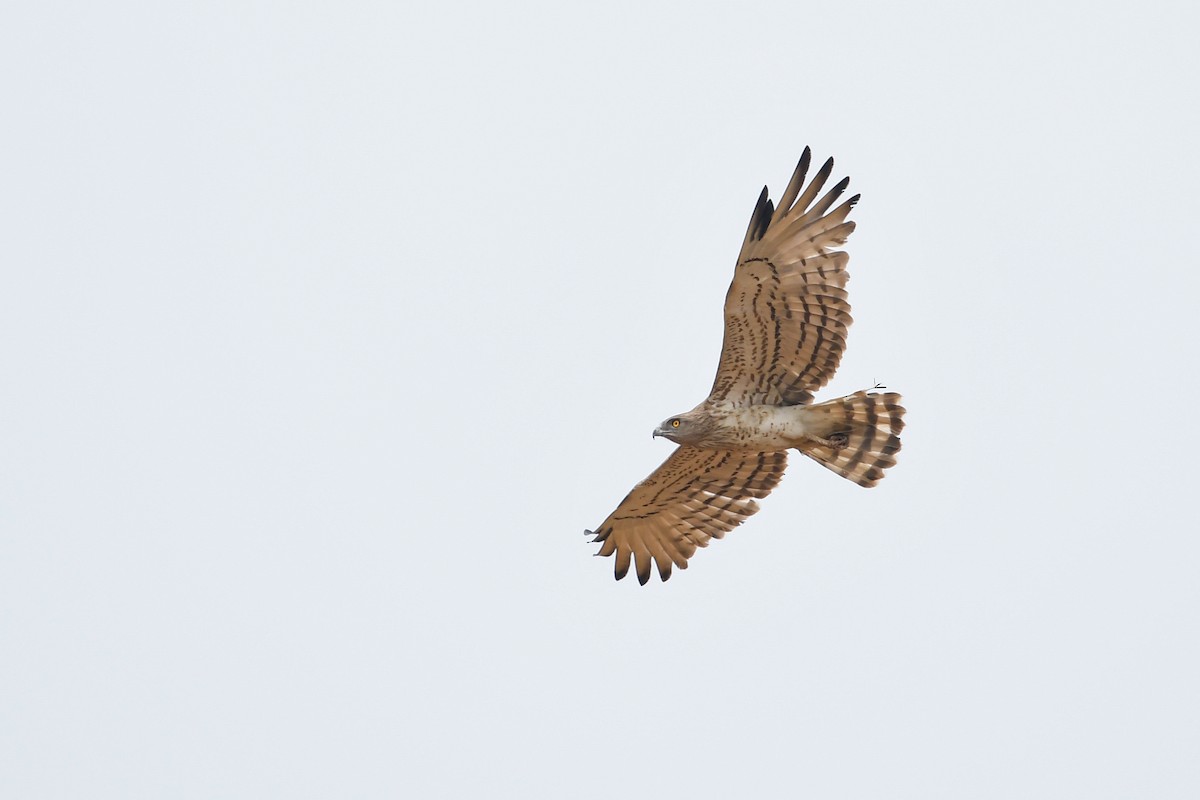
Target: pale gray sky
{"points": [[326, 329]]}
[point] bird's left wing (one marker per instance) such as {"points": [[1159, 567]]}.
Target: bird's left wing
{"points": [[694, 496]]}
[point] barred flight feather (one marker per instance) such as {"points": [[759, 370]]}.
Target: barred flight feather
{"points": [[701, 494], [867, 427]]}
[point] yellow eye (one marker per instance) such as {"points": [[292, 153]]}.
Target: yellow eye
{"points": [[674, 423]]}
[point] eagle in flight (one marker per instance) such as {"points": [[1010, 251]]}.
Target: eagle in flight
{"points": [[786, 318]]}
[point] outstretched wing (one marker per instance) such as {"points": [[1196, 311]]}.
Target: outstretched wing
{"points": [[786, 313], [694, 496]]}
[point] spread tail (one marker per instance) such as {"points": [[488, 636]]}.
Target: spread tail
{"points": [[855, 436]]}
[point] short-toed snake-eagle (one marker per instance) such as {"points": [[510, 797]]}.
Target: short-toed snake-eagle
{"points": [[786, 317]]}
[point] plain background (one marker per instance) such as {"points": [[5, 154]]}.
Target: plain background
{"points": [[326, 329]]}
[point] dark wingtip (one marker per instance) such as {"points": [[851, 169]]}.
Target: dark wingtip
{"points": [[804, 163], [760, 219], [763, 210]]}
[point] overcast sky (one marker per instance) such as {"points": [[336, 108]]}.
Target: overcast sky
{"points": [[327, 328]]}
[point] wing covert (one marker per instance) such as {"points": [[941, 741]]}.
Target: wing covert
{"points": [[693, 497], [786, 312]]}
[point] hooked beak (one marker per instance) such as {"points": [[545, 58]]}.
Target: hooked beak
{"points": [[658, 432]]}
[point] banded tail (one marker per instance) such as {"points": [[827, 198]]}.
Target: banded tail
{"points": [[856, 436]]}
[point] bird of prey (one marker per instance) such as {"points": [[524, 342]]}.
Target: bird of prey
{"points": [[786, 318]]}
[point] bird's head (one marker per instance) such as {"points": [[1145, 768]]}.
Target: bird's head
{"points": [[681, 429]]}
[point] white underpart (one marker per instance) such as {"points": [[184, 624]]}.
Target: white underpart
{"points": [[769, 427]]}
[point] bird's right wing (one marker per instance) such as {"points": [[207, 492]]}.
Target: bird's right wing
{"points": [[786, 312], [694, 496]]}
